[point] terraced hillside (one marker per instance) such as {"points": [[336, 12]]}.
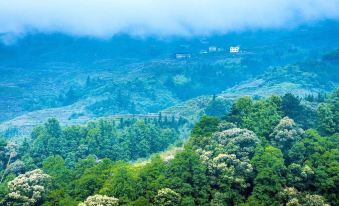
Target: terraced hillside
{"points": [[78, 79]]}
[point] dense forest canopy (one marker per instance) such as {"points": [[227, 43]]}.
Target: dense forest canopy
{"points": [[169, 103], [272, 151]]}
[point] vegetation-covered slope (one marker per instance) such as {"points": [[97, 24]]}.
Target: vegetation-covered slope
{"points": [[130, 121], [146, 95], [255, 154], [126, 75]]}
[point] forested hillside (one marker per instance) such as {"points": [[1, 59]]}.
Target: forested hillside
{"points": [[86, 78], [271, 151], [159, 89], [169, 103]]}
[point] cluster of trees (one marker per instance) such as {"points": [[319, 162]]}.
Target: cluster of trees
{"points": [[217, 107], [256, 154], [127, 140]]}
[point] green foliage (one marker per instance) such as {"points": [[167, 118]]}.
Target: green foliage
{"points": [[141, 201], [265, 114], [56, 168], [204, 128], [269, 160], [260, 116], [103, 139], [291, 105], [328, 115], [269, 181], [143, 139], [217, 107], [3, 155], [326, 123], [302, 112], [187, 175], [122, 183], [153, 177], [240, 109], [320, 156]]}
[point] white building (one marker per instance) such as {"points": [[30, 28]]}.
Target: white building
{"points": [[235, 49]]}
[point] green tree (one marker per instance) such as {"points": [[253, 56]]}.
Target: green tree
{"points": [[153, 177], [291, 106], [328, 115], [326, 122], [202, 130], [239, 110], [187, 175], [269, 181], [122, 184], [53, 128], [264, 116], [217, 107], [56, 168], [91, 177]]}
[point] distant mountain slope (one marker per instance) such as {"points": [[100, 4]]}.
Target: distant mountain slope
{"points": [[297, 79], [77, 79], [51, 71]]}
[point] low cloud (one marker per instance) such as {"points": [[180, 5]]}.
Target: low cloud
{"points": [[105, 18]]}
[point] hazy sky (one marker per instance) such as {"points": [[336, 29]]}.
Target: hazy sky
{"points": [[104, 18]]}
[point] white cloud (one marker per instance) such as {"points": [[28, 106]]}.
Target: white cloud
{"points": [[105, 18]]}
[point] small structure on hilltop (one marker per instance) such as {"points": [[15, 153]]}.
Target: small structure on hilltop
{"points": [[182, 56], [234, 49]]}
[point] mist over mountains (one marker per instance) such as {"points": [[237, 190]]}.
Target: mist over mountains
{"points": [[164, 18], [169, 102]]}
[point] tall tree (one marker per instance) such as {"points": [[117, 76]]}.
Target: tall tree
{"points": [[269, 181]]}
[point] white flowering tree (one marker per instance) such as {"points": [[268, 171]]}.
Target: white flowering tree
{"points": [[291, 197], [241, 142], [100, 200], [228, 156], [285, 134], [167, 197], [28, 189]]}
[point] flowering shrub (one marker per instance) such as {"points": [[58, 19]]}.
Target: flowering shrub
{"points": [[228, 155], [167, 197], [285, 134], [29, 188], [100, 200]]}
